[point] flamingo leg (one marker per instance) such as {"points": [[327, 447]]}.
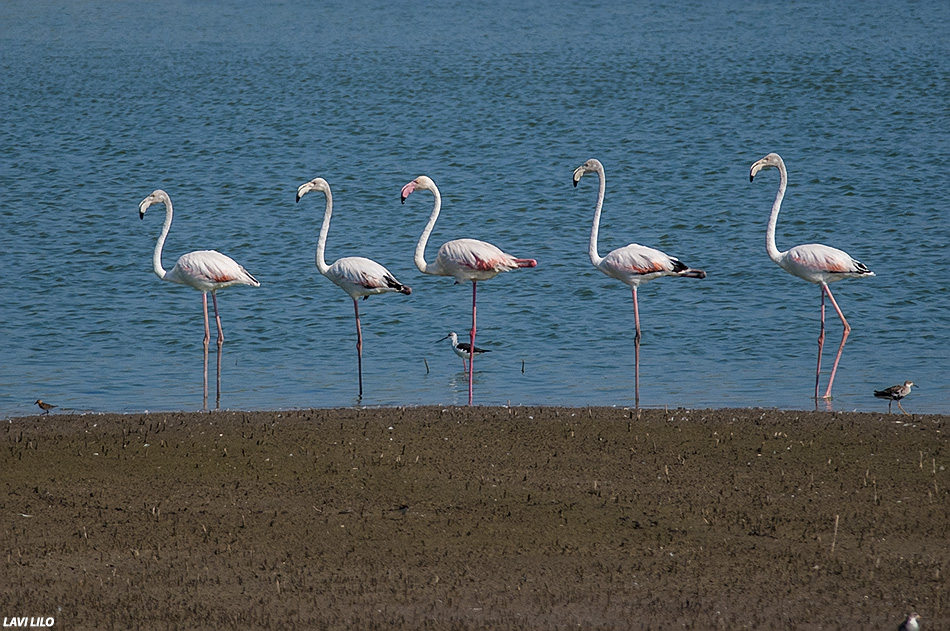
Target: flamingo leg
{"points": [[359, 344], [844, 337], [636, 343], [217, 318], [217, 398], [204, 400], [821, 341], [204, 305], [471, 349]]}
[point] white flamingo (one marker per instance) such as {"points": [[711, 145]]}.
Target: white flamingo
{"points": [[359, 277], [632, 264], [204, 270], [463, 259], [813, 262]]}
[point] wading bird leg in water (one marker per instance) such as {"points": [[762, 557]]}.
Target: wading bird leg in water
{"points": [[636, 343], [359, 344], [844, 338], [471, 348]]}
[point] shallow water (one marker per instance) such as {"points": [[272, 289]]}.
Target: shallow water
{"points": [[229, 111]]}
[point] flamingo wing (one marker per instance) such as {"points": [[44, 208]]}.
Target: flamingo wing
{"points": [[209, 270], [471, 259], [359, 276], [818, 263], [634, 264]]}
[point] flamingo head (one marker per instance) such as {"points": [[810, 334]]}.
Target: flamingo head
{"points": [[771, 161], [158, 196], [316, 184], [591, 166], [422, 182]]}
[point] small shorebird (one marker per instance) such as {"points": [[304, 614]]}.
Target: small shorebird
{"points": [[463, 350], [895, 393], [911, 623], [46, 407]]}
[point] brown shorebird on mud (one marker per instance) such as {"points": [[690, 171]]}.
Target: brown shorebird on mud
{"points": [[46, 407], [895, 393]]}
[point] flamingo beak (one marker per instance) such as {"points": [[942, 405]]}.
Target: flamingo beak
{"points": [[406, 191]]}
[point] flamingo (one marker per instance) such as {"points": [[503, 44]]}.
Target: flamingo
{"points": [[204, 270], [359, 277], [464, 259], [463, 349], [633, 264], [813, 262]]}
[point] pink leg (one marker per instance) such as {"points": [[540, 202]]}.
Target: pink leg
{"points": [[844, 338], [217, 318], [359, 344], [821, 341], [636, 342], [204, 401], [204, 305], [471, 350]]}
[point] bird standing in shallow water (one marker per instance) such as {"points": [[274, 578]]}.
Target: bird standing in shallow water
{"points": [[46, 407], [633, 264], [895, 393], [359, 277], [464, 259], [813, 262], [910, 624], [463, 350], [204, 270]]}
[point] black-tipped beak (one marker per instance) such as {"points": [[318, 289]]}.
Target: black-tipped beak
{"points": [[141, 215], [751, 177], [298, 197], [403, 200], [575, 183]]}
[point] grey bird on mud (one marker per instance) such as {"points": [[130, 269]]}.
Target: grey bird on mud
{"points": [[895, 393]]}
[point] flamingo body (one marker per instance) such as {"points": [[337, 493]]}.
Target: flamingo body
{"points": [[819, 264], [466, 260], [361, 277], [204, 270], [358, 276], [470, 260], [209, 270], [636, 264], [814, 262]]}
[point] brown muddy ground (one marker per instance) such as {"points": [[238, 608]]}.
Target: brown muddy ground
{"points": [[484, 518]]}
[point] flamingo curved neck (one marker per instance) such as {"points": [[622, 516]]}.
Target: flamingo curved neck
{"points": [[595, 258], [419, 256], [770, 247], [324, 230], [157, 254]]}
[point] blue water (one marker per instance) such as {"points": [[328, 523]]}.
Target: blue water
{"points": [[230, 108]]}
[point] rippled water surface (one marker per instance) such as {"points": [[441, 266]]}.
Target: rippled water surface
{"points": [[229, 110]]}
